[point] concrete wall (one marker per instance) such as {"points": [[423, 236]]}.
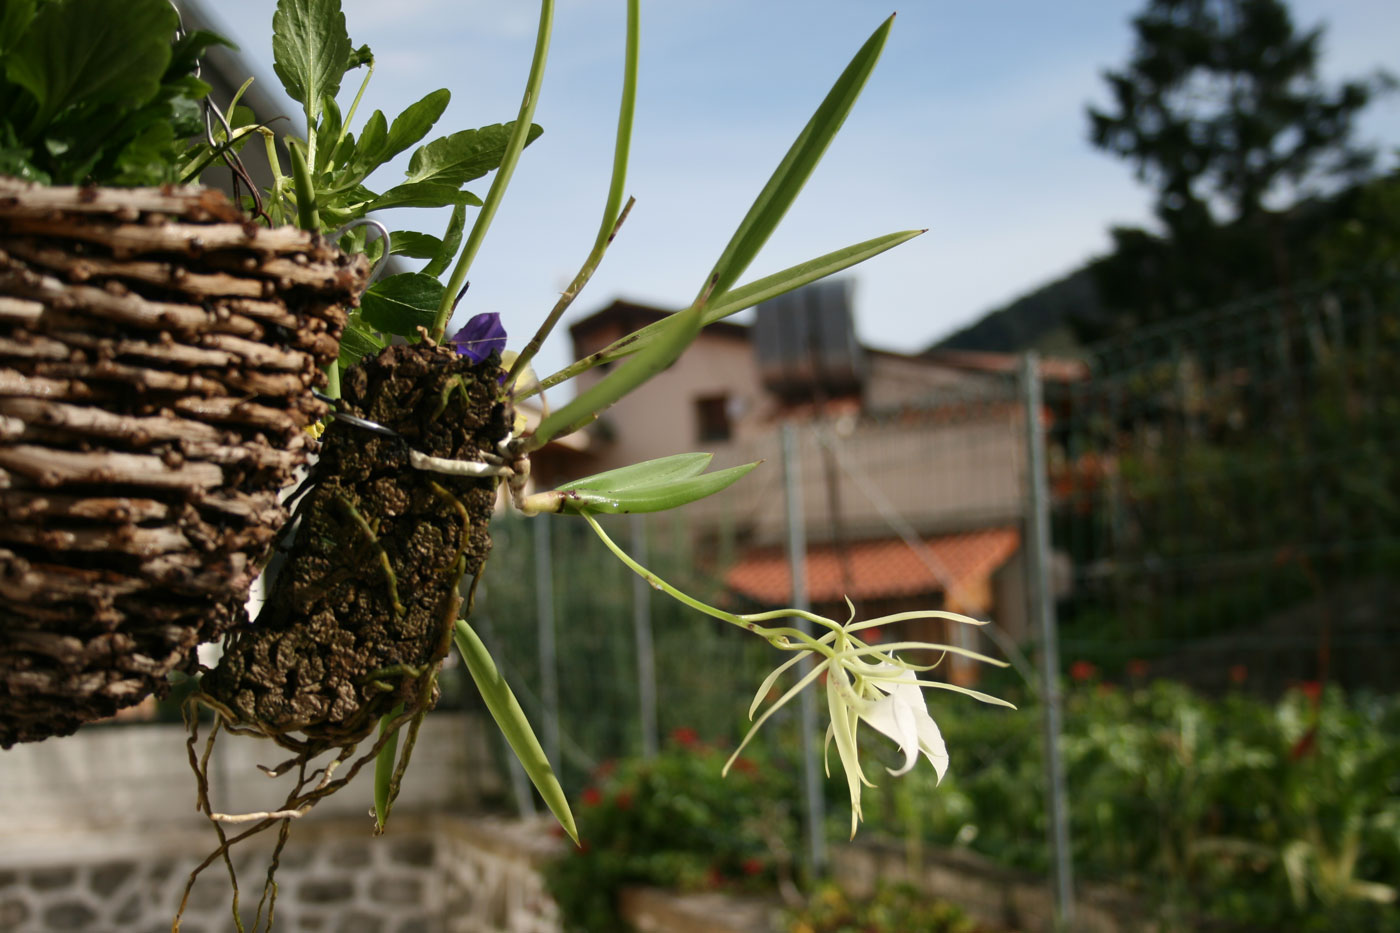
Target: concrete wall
{"points": [[98, 832]]}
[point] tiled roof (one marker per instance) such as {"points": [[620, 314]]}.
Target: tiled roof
{"points": [[879, 569]]}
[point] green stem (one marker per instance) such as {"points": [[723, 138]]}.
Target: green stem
{"points": [[747, 623], [514, 146], [613, 212], [345, 124]]}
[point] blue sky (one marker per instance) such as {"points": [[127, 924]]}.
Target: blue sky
{"points": [[972, 126]]}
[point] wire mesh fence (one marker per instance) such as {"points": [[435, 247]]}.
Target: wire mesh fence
{"points": [[1224, 514], [1226, 492]]}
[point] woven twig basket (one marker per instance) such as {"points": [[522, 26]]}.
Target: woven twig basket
{"points": [[157, 355]]}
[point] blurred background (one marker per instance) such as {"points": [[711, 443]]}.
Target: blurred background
{"points": [[1132, 399]]}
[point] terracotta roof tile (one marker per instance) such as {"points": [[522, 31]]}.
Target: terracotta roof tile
{"points": [[879, 569]]}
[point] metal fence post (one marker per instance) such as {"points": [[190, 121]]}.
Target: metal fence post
{"points": [[641, 626], [544, 617], [814, 811], [1043, 612]]}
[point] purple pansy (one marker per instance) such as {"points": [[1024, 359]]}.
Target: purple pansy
{"points": [[480, 337]]}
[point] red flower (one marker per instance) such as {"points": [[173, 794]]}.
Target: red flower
{"points": [[1082, 670], [605, 769], [744, 766], [591, 797], [685, 737], [1137, 668], [1238, 673], [623, 800], [753, 866], [1312, 689]]}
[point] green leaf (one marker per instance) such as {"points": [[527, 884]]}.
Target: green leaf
{"points": [[327, 133], [680, 329], [384, 769], [792, 173], [414, 244], [651, 497], [14, 20], [746, 296], [93, 51], [423, 194], [676, 466], [413, 124], [457, 159], [310, 51], [360, 56], [510, 718], [357, 341], [401, 303], [451, 240]]}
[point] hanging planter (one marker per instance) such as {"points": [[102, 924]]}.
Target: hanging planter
{"points": [[157, 359]]}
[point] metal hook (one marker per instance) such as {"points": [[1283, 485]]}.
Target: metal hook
{"points": [[383, 235], [355, 420]]}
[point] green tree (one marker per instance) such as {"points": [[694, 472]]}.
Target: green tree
{"points": [[1221, 106]]}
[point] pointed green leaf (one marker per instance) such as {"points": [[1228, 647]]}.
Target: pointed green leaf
{"points": [[310, 51], [423, 194], [680, 329], [656, 497], [676, 466], [792, 173], [746, 296], [400, 304], [451, 240], [413, 124], [457, 159], [384, 769], [510, 718]]}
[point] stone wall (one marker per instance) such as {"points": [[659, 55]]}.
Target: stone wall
{"points": [[98, 832]]}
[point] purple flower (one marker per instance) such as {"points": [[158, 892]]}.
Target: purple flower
{"points": [[480, 337]]}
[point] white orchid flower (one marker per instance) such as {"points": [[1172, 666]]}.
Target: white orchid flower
{"points": [[863, 682], [872, 684]]}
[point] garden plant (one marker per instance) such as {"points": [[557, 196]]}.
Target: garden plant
{"points": [[390, 529]]}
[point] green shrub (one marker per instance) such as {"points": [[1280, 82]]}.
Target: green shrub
{"points": [[893, 909], [673, 821]]}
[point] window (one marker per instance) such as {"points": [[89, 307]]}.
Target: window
{"points": [[712, 418]]}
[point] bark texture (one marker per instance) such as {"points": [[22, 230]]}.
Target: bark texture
{"points": [[360, 615], [157, 354]]}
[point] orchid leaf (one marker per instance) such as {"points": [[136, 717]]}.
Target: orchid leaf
{"points": [[796, 167], [738, 299], [680, 329], [311, 51], [384, 769], [649, 472], [510, 718], [653, 497], [400, 304]]}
